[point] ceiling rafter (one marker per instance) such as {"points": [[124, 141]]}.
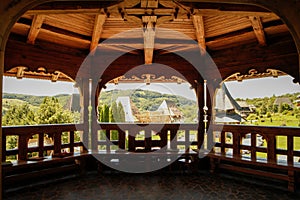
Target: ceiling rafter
{"points": [[200, 32], [98, 27], [35, 28], [258, 30]]}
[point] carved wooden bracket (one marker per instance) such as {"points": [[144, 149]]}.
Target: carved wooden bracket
{"points": [[253, 73], [41, 73], [147, 78]]}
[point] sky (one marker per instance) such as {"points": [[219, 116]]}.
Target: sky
{"points": [[251, 88]]}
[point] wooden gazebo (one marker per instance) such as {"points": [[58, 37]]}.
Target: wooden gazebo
{"points": [[59, 41]]}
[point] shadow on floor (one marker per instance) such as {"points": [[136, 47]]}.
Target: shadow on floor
{"points": [[117, 185]]}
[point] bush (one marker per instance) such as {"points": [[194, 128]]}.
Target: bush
{"points": [[284, 112]]}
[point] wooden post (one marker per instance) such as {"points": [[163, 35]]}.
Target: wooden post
{"points": [[86, 120], [84, 111], [211, 88], [199, 92], [94, 122], [3, 157]]}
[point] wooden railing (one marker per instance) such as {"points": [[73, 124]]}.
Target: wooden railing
{"points": [[272, 152], [54, 133], [145, 137], [281, 145]]}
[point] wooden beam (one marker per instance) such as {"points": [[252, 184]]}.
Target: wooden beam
{"points": [[149, 35], [200, 32], [258, 30], [98, 27], [35, 28], [212, 12]]}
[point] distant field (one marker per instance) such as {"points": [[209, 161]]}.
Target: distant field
{"points": [[277, 120], [6, 103]]}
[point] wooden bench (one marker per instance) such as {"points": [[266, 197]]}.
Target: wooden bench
{"points": [[37, 171], [272, 171]]}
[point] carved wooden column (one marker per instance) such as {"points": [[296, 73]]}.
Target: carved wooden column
{"points": [[199, 94], [94, 119], [83, 84]]}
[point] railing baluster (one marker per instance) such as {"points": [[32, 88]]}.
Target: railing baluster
{"points": [[187, 139], [57, 142], [271, 149], [41, 144], [107, 139], [253, 147], [71, 141], [173, 139], [121, 139], [223, 139], [3, 148], [290, 149], [236, 141], [131, 142], [23, 147], [148, 139], [164, 138]]}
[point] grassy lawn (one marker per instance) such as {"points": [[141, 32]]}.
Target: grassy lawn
{"points": [[276, 120]]}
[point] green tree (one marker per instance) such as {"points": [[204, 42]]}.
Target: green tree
{"points": [[113, 113], [275, 108], [17, 115], [51, 112], [263, 109], [103, 113]]}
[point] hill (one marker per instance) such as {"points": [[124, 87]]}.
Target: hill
{"points": [[33, 100], [145, 100]]}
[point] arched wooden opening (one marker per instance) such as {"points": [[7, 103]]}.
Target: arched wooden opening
{"points": [[287, 10]]}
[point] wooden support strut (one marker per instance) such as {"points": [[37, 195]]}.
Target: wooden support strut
{"points": [[149, 35], [35, 28], [200, 32], [258, 30], [98, 27]]}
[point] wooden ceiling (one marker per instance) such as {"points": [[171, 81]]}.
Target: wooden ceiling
{"points": [[58, 37]]}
